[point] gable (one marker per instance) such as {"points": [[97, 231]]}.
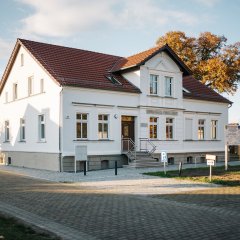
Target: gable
{"points": [[162, 62], [18, 74]]}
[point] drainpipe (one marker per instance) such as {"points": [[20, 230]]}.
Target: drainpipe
{"points": [[60, 130]]}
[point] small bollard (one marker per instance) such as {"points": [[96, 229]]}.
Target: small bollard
{"points": [[115, 167], [180, 169], [85, 168]]}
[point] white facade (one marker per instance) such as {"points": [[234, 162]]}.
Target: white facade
{"points": [[60, 106]]}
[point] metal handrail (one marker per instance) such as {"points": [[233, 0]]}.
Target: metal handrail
{"points": [[148, 141], [131, 148]]}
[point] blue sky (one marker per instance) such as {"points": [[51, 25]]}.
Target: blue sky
{"points": [[119, 27]]}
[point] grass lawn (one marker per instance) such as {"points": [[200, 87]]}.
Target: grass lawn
{"points": [[11, 229], [219, 175]]}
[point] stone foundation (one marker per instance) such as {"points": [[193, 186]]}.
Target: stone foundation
{"points": [[46, 161], [94, 162], [185, 158]]}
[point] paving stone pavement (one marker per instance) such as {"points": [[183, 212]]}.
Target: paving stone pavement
{"points": [[84, 211]]}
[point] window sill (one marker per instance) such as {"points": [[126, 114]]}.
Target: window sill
{"points": [[170, 97], [6, 142], [41, 141], [163, 140], [95, 140], [22, 141], [202, 140]]}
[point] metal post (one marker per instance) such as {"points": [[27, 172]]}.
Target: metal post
{"points": [[75, 164], [195, 161], [226, 157], [115, 167], [85, 168], [180, 169], [164, 164], [210, 176]]}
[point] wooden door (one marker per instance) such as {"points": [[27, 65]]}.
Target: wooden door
{"points": [[127, 132]]}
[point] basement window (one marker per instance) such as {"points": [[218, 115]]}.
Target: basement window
{"points": [[113, 80]]}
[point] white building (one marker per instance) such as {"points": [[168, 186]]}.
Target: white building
{"points": [[54, 98]]}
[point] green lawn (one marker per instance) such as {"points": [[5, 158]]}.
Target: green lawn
{"points": [[219, 175], [10, 229]]}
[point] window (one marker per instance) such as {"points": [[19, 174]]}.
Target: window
{"points": [[153, 133], [41, 124], [188, 129], [6, 97], [30, 86], [41, 85], [168, 86], [81, 125], [169, 128], [214, 129], [201, 129], [102, 126], [153, 84], [22, 59], [113, 80], [22, 129], [15, 91], [7, 131]]}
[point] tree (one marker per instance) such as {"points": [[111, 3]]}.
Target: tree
{"points": [[211, 60]]}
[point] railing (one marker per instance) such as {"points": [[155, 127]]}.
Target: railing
{"points": [[145, 143], [129, 148]]}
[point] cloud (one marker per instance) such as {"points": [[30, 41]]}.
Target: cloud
{"points": [[5, 48], [64, 18], [208, 3]]}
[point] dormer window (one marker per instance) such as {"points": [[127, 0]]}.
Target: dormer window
{"points": [[153, 84], [185, 90], [113, 80], [22, 59]]}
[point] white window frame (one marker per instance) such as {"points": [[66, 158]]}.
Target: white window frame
{"points": [[30, 86], [40, 124], [168, 126], [168, 86], [81, 121], [22, 60], [153, 84], [214, 129], [153, 125], [201, 129], [41, 85], [22, 130], [7, 130], [15, 91], [102, 122]]}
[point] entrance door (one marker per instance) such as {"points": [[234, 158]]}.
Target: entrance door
{"points": [[127, 132]]}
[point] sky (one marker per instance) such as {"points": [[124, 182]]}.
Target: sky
{"points": [[119, 27]]}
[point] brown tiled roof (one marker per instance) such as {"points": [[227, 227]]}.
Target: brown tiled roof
{"points": [[140, 58], [79, 68], [199, 91], [87, 69]]}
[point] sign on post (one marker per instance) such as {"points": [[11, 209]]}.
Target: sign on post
{"points": [[164, 159], [232, 137], [211, 161], [80, 155]]}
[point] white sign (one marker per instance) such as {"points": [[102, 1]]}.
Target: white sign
{"points": [[232, 134], [211, 162], [211, 157], [164, 157]]}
